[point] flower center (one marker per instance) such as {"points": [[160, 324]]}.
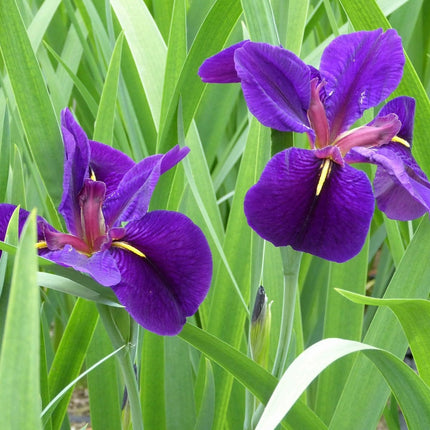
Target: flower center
{"points": [[380, 132]]}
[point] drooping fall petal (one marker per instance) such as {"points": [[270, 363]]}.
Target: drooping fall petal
{"points": [[171, 280], [289, 205]]}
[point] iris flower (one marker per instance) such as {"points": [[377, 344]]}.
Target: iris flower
{"points": [[158, 263], [312, 199]]}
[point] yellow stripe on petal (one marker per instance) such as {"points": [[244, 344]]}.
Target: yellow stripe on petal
{"points": [[92, 175], [325, 172], [42, 244], [400, 140], [128, 247]]}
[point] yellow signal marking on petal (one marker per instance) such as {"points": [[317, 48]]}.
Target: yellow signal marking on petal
{"points": [[325, 171], [41, 244], [128, 247], [92, 175], [400, 140]]}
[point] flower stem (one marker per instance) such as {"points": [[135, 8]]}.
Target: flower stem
{"points": [[126, 365], [291, 266]]}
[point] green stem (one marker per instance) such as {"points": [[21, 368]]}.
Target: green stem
{"points": [[291, 266], [126, 365]]}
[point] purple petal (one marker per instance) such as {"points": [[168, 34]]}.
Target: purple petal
{"points": [[101, 265], [130, 201], [76, 163], [276, 86], [401, 188], [404, 108], [109, 165], [283, 207], [220, 68], [6, 211], [169, 284], [361, 70]]}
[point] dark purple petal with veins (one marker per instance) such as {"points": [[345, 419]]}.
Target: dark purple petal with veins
{"points": [[361, 69], [276, 86], [101, 265], [109, 165], [76, 162], [161, 289], [220, 68], [130, 201], [284, 208]]}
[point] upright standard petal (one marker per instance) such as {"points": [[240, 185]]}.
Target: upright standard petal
{"points": [[276, 86], [220, 68], [108, 165], [130, 201], [361, 70], [76, 170], [297, 203], [170, 278]]}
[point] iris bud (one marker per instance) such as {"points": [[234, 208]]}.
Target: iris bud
{"points": [[260, 328]]}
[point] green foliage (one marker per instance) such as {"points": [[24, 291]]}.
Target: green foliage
{"points": [[128, 70]]}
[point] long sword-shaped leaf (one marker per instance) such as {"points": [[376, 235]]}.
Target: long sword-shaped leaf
{"points": [[412, 393], [414, 315], [260, 382], [364, 395], [19, 360], [32, 98]]}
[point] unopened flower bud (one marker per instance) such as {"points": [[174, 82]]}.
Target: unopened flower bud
{"points": [[260, 328]]}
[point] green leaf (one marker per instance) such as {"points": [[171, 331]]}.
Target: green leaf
{"points": [[93, 292], [19, 360], [70, 354], [260, 21], [342, 320], [256, 379], [411, 392], [152, 382], [103, 127], [32, 98], [219, 23], [207, 402], [364, 395], [147, 47], [242, 248], [414, 315], [104, 393]]}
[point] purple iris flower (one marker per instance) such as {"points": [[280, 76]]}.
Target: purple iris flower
{"points": [[313, 200], [158, 263]]}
